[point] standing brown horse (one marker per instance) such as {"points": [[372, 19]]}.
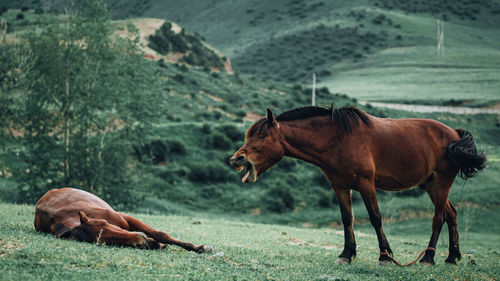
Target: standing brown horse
{"points": [[357, 151], [79, 215]]}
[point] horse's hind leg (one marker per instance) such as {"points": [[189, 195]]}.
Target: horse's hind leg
{"points": [[451, 221], [438, 190]]}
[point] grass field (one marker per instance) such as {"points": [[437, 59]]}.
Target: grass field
{"points": [[243, 251]]}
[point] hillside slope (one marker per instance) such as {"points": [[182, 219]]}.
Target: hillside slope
{"points": [[369, 49], [372, 50]]}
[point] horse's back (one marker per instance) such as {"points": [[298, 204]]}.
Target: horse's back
{"points": [[63, 206], [57, 198], [406, 151]]}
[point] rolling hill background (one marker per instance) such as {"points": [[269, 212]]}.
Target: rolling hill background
{"points": [[367, 50], [372, 50], [363, 47]]}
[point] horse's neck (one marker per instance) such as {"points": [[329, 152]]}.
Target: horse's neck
{"points": [[307, 142]]}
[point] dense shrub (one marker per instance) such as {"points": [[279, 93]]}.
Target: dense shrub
{"points": [[160, 41], [279, 200], [327, 200], [176, 146], [179, 77], [179, 43], [182, 67], [206, 128], [321, 180], [209, 172], [211, 191], [158, 150], [165, 40], [287, 163], [219, 140], [170, 175], [232, 132]]}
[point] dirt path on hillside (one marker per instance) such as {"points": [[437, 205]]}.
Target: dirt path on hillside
{"points": [[434, 108]]}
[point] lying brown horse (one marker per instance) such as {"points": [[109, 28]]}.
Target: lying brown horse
{"points": [[357, 151], [79, 215]]}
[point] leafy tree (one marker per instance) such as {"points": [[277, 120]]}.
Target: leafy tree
{"points": [[10, 76], [89, 96]]}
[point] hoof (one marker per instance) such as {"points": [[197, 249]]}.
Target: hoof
{"points": [[450, 261], [385, 263], [142, 242], [342, 260], [205, 249], [426, 263]]}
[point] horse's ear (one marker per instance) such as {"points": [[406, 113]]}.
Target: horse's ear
{"points": [[83, 217], [271, 121]]}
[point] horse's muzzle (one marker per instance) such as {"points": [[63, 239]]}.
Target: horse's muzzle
{"points": [[240, 161]]}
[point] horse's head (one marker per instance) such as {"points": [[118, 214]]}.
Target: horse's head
{"points": [[94, 230], [262, 149]]}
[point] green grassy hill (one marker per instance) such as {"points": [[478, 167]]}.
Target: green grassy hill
{"points": [[368, 49], [372, 50]]}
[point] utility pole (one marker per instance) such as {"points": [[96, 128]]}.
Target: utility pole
{"points": [[313, 102], [440, 38]]}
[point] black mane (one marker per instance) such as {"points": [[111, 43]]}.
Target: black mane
{"points": [[342, 117], [61, 231], [83, 233], [303, 113]]}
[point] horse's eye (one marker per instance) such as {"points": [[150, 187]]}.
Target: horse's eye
{"points": [[262, 137]]}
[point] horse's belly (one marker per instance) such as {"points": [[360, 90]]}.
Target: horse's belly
{"points": [[396, 184]]}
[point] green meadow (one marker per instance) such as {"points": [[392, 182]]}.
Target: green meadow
{"points": [[248, 251]]}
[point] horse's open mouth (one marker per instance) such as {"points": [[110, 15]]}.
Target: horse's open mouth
{"points": [[251, 173]]}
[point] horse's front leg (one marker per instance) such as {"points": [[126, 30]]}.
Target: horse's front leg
{"points": [[349, 252], [162, 237], [369, 195]]}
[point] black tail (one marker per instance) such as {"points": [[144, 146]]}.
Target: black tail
{"points": [[463, 154]]}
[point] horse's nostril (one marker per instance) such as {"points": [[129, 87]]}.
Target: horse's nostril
{"points": [[240, 158]]}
